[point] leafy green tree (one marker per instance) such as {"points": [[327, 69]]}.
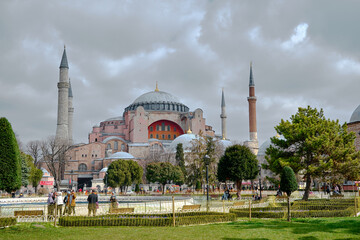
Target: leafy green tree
{"points": [[180, 159], [25, 169], [288, 184], [122, 173], [237, 164], [10, 162], [315, 147], [136, 172], [163, 173], [35, 177]]}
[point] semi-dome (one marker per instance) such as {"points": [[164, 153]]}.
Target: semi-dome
{"points": [[120, 155], [355, 116], [158, 101], [263, 147], [186, 140]]}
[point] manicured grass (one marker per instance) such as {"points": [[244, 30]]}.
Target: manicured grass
{"points": [[259, 229]]}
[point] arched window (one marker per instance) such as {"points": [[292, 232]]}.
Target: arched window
{"points": [[82, 167], [108, 146], [122, 147], [116, 145]]}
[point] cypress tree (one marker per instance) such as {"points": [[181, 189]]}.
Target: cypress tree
{"points": [[10, 162], [288, 184], [180, 160]]}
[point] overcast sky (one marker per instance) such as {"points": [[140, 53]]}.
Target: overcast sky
{"points": [[303, 53]]}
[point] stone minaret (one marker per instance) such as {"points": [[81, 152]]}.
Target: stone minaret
{"points": [[70, 115], [253, 143], [62, 132], [223, 116]]}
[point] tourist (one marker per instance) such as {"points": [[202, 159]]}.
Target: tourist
{"points": [[71, 202], [93, 201], [51, 204], [59, 203], [113, 202]]}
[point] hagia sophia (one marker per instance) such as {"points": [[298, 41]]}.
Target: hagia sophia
{"points": [[155, 122]]}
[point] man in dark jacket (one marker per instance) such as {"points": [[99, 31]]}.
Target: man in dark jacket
{"points": [[93, 201]]}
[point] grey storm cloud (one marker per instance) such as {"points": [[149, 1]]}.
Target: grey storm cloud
{"points": [[303, 53]]}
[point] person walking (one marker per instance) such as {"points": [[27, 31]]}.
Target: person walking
{"points": [[59, 203], [92, 200], [71, 202], [51, 204], [113, 202]]}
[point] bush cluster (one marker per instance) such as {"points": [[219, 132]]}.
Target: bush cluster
{"points": [[7, 221], [303, 209], [159, 220]]}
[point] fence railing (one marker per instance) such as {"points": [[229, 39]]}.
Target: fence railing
{"points": [[268, 207]]}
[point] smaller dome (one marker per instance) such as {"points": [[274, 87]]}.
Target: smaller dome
{"points": [[355, 116], [104, 169], [120, 155], [186, 140], [225, 143]]}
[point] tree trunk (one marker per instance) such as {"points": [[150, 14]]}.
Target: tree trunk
{"points": [[289, 213], [163, 188], [238, 188], [307, 188]]}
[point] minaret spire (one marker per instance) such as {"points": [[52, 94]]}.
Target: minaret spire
{"points": [[64, 61], [223, 116], [252, 114], [62, 129], [70, 114]]}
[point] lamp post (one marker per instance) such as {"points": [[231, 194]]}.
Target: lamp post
{"points": [[71, 185], [106, 178], [260, 180], [206, 160]]}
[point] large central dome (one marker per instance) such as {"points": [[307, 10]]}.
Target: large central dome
{"points": [[158, 101]]}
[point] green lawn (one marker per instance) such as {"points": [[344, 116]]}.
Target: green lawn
{"points": [[322, 228]]}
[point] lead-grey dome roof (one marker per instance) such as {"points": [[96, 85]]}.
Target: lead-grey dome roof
{"points": [[355, 116], [157, 96], [158, 101]]}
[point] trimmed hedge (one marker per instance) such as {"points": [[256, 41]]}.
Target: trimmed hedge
{"points": [[7, 221], [255, 213], [147, 219]]}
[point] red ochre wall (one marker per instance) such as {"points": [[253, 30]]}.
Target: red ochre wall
{"points": [[160, 130]]}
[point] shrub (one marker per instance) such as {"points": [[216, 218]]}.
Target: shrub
{"points": [[7, 221], [147, 219]]}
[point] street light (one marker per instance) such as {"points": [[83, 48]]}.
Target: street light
{"points": [[206, 161], [72, 171], [106, 178], [260, 180]]}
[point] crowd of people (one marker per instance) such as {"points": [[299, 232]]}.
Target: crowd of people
{"points": [[65, 205]]}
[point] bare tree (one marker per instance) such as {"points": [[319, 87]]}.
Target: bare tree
{"points": [[55, 158], [33, 148]]}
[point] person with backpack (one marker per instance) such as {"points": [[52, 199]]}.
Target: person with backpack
{"points": [[59, 203], [66, 210], [93, 201]]}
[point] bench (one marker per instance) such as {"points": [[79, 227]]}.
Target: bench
{"points": [[29, 213], [191, 207], [122, 210], [337, 196], [238, 204]]}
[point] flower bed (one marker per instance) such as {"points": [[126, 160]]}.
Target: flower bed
{"points": [[7, 221], [148, 219]]}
